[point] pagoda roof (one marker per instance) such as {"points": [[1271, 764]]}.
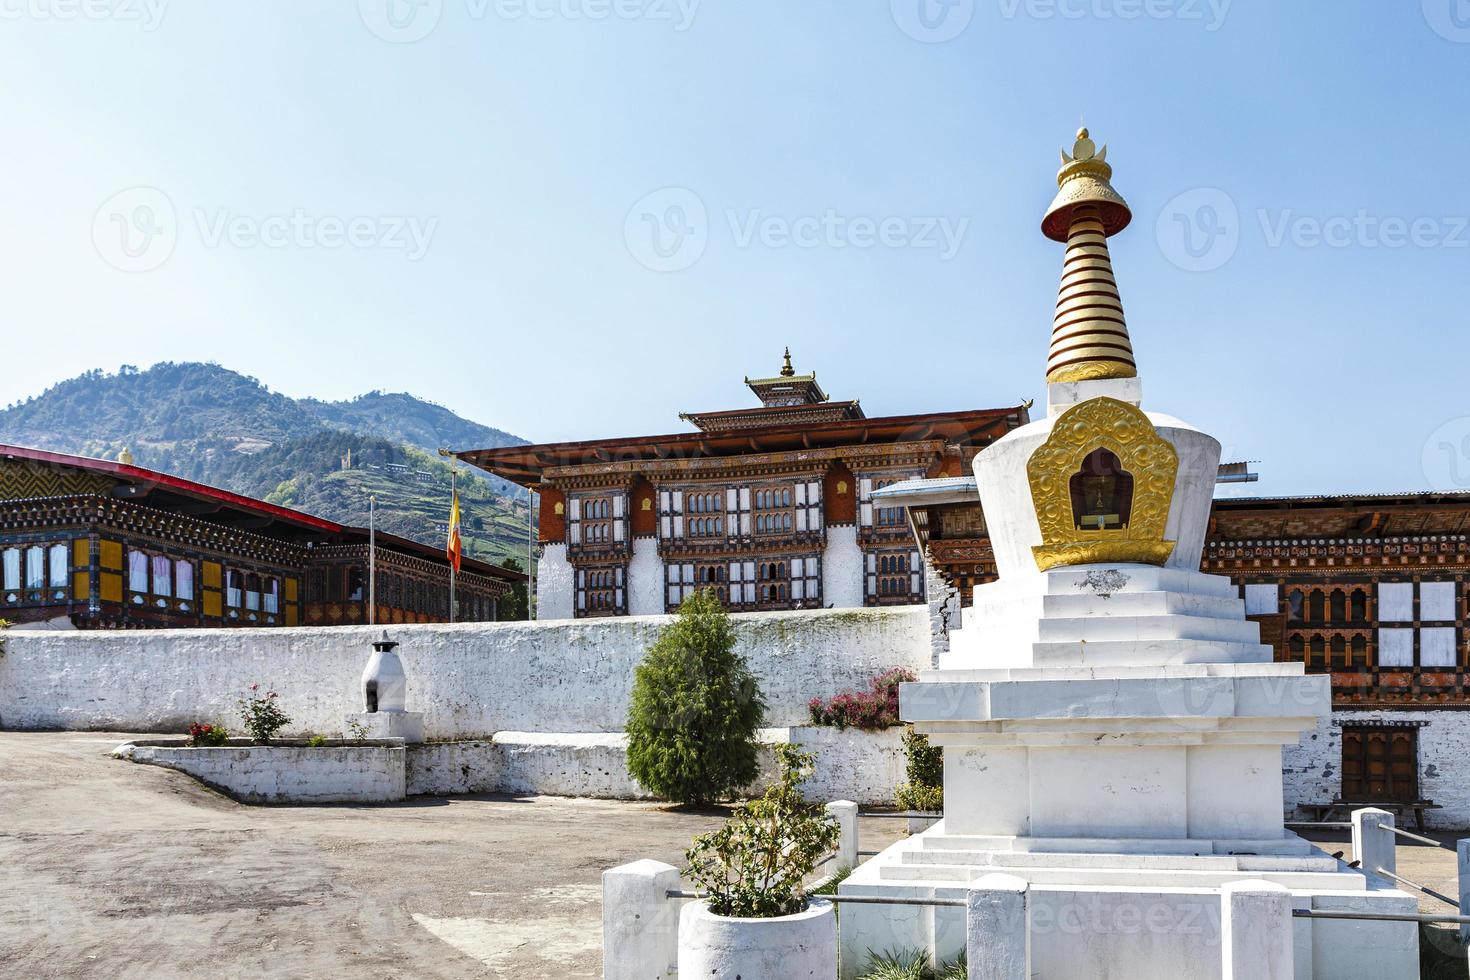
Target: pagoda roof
{"points": [[176, 494], [526, 464]]}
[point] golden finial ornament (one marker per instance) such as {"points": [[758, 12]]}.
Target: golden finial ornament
{"points": [[1089, 339], [125, 457], [787, 371]]}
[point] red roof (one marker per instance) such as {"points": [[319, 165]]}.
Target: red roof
{"points": [[524, 464]]}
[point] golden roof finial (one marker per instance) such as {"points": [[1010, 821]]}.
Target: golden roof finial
{"points": [[1089, 338], [787, 371], [125, 457]]}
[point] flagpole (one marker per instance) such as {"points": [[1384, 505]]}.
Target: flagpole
{"points": [[372, 560], [453, 491]]}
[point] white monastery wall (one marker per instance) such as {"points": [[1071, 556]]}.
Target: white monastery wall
{"points": [[470, 680], [1313, 769], [554, 592], [645, 579], [842, 568]]}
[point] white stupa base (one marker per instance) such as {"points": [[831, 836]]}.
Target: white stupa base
{"points": [[407, 725], [1126, 907]]}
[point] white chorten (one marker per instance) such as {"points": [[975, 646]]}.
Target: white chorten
{"points": [[1112, 725]]}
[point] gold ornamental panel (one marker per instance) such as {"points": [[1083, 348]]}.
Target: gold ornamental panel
{"points": [[1147, 457]]}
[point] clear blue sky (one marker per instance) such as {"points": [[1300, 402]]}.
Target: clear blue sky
{"points": [[520, 136]]}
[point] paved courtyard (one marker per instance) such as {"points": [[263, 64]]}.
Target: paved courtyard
{"points": [[109, 869]]}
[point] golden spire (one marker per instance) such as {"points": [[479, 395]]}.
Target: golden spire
{"points": [[787, 371], [125, 457], [1089, 338]]}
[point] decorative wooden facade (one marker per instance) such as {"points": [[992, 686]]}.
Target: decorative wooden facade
{"points": [[109, 545], [770, 506], [1374, 590]]}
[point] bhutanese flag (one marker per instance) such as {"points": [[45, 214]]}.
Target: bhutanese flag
{"points": [[452, 549]]}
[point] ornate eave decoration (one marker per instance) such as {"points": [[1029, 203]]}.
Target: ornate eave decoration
{"points": [[1123, 429]]}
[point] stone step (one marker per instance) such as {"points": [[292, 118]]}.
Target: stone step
{"points": [[1122, 862], [1111, 580], [1123, 877], [1121, 604], [1085, 653], [1169, 849], [1099, 628]]}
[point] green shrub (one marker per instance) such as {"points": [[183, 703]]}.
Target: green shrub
{"points": [[923, 787], [695, 709], [756, 865], [207, 736], [316, 741], [914, 965]]}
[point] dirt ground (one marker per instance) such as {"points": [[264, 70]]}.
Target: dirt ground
{"points": [[114, 870]]}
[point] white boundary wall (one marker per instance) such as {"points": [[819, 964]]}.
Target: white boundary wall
{"points": [[470, 681]]}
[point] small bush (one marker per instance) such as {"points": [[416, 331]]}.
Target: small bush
{"points": [[262, 714], [316, 741], [923, 788], [914, 965], [695, 709], [207, 735], [756, 865], [872, 710]]}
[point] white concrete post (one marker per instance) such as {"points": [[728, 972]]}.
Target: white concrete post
{"points": [[998, 928], [640, 923], [1462, 850], [846, 813], [1374, 847], [1255, 931]]}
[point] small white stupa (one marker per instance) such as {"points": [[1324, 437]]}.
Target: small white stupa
{"points": [[385, 697], [1112, 725]]}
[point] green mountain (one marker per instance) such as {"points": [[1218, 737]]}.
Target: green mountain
{"points": [[206, 423]]}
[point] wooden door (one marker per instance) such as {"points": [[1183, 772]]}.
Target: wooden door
{"points": [[1380, 765]]}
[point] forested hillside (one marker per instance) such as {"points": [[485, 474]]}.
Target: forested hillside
{"points": [[210, 424]]}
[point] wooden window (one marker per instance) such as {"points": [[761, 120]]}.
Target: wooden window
{"points": [[1316, 607], [706, 514], [596, 521], [234, 588], [184, 579], [893, 577], [12, 568], [885, 518], [1359, 604], [1337, 606], [600, 592], [1380, 764], [58, 569], [774, 510]]}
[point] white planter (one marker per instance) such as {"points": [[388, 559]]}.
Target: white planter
{"points": [[792, 947]]}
